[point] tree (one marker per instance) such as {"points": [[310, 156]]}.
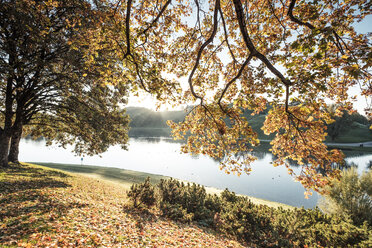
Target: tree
{"points": [[49, 81], [238, 55], [342, 121], [350, 196]]}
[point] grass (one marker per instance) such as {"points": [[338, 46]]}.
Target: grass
{"points": [[127, 177], [356, 133], [45, 207], [124, 177], [351, 148]]}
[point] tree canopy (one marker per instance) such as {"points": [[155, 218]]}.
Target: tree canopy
{"points": [[238, 55], [48, 79], [243, 55]]}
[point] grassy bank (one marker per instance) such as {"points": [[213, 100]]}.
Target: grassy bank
{"points": [[351, 148], [121, 176], [128, 177], [46, 207], [43, 207]]}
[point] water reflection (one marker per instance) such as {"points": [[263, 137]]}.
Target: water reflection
{"points": [[162, 156], [155, 140]]}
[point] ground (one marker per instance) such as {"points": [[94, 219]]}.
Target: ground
{"points": [[42, 207]]}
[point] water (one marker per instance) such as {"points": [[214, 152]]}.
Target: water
{"points": [[162, 156]]}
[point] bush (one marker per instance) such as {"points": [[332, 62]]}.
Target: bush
{"points": [[142, 193], [176, 212], [258, 224], [351, 196], [189, 201], [313, 228], [228, 196], [242, 219], [170, 191]]}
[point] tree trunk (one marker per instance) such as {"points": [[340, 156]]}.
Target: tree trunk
{"points": [[6, 132], [14, 144], [4, 148]]}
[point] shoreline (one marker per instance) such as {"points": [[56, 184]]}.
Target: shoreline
{"points": [[126, 178]]}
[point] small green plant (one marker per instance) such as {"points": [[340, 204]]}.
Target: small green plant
{"points": [[351, 196], [142, 193]]}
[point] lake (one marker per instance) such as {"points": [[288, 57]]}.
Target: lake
{"points": [[162, 156]]}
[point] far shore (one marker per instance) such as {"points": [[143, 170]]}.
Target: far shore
{"points": [[126, 178]]}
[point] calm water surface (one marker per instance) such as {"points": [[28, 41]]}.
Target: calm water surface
{"points": [[162, 156]]}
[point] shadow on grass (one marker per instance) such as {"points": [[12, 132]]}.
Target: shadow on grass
{"points": [[26, 204], [28, 178], [31, 213], [142, 216], [109, 173], [27, 171]]}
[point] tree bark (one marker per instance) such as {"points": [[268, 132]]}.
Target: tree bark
{"points": [[6, 132], [14, 144], [4, 148]]}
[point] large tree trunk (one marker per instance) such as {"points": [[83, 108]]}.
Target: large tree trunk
{"points": [[4, 148], [6, 132], [14, 144]]}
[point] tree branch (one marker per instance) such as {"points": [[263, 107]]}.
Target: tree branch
{"points": [[206, 43], [247, 40], [296, 20], [233, 80], [226, 35], [127, 27], [157, 17]]}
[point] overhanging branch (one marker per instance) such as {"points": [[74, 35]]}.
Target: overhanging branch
{"points": [[206, 43]]}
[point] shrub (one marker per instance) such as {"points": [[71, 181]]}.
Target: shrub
{"points": [[142, 193], [188, 201], [351, 196], [258, 224], [312, 228], [242, 219], [170, 191], [228, 196], [176, 212]]}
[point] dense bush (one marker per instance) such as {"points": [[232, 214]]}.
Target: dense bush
{"points": [[243, 219], [313, 228], [187, 202], [142, 193], [257, 224], [351, 195]]}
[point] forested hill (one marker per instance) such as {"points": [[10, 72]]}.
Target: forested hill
{"points": [[143, 117], [349, 128]]}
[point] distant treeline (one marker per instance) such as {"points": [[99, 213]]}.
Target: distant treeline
{"points": [[348, 128], [146, 118]]}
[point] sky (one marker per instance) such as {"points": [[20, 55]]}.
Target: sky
{"points": [[147, 101]]}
